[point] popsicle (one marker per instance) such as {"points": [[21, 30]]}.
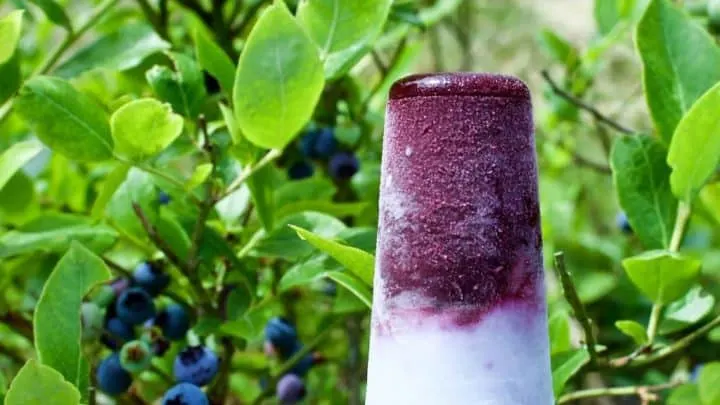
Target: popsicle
{"points": [[459, 314]]}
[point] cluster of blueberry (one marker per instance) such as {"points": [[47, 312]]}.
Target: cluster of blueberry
{"points": [[320, 144], [281, 340], [125, 307]]}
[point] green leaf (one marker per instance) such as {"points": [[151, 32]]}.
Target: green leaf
{"points": [[607, 15], [143, 128], [10, 78], [357, 261], [138, 187], [565, 366], [183, 88], [352, 284], [97, 237], [56, 322], [35, 383], [710, 197], [662, 276], [279, 80], [66, 120], [634, 330], [16, 198], [559, 48], [709, 383], [15, 157], [303, 273], [213, 59], [642, 181], [336, 25], [339, 210], [594, 285], [109, 187], [687, 394], [559, 327], [54, 12], [680, 63], [283, 242], [199, 175], [10, 28], [119, 50], [261, 192], [695, 148], [689, 310]]}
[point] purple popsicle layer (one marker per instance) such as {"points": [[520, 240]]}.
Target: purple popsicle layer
{"points": [[459, 217]]}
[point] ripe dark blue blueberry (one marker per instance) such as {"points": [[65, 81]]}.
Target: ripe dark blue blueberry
{"points": [[151, 278], [173, 321], [282, 336], [111, 377], [91, 319], [185, 394], [136, 356], [196, 365], [318, 143], [290, 389], [135, 306], [117, 333], [343, 165], [325, 144], [623, 224], [163, 198], [301, 170]]}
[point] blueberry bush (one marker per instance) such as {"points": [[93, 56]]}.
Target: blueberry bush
{"points": [[188, 196]]}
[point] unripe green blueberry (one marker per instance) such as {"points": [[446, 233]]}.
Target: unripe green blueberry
{"points": [[104, 296], [136, 356], [91, 319]]}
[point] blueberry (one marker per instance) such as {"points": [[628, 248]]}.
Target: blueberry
{"points": [[91, 319], [104, 296], [307, 143], [111, 378], [135, 306], [325, 144], [151, 278], [290, 389], [163, 198], [136, 356], [118, 332], [622, 223], [174, 322], [343, 165], [196, 365], [282, 336], [185, 394], [301, 170]]}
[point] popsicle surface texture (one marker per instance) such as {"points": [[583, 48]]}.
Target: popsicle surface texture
{"points": [[459, 304]]}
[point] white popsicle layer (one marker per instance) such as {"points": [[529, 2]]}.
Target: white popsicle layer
{"points": [[501, 360]]}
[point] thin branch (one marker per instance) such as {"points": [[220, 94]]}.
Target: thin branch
{"points": [[238, 182], [172, 257], [681, 221], [379, 63], [585, 106], [640, 391], [573, 299], [599, 167]]}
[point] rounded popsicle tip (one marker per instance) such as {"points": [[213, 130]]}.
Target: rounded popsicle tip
{"points": [[459, 84]]}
